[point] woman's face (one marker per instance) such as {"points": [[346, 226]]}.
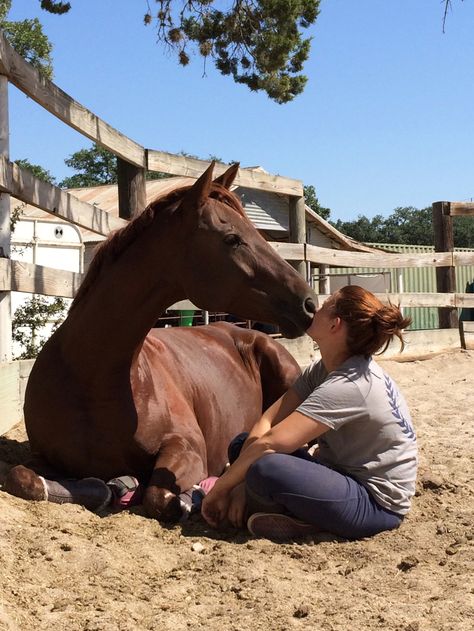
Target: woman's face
{"points": [[322, 322]]}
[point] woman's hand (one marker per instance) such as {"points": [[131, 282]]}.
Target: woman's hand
{"points": [[237, 506], [215, 506]]}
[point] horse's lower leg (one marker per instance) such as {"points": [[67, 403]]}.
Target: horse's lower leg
{"points": [[178, 467], [26, 483]]}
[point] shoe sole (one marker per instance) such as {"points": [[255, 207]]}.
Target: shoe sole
{"points": [[278, 527]]}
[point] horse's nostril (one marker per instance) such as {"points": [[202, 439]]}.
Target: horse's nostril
{"points": [[309, 305]]}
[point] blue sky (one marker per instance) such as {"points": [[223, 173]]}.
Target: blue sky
{"points": [[386, 119]]}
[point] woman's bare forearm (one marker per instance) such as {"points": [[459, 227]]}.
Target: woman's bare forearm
{"points": [[282, 408]]}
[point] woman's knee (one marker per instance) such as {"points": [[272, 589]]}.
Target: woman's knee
{"points": [[265, 474]]}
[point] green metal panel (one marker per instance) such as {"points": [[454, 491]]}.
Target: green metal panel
{"points": [[419, 280]]}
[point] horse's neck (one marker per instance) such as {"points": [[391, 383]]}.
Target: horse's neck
{"points": [[123, 303]]}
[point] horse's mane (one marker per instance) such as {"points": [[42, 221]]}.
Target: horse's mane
{"points": [[120, 239]]}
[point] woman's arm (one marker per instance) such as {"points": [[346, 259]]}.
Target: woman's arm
{"points": [[287, 435], [281, 409]]}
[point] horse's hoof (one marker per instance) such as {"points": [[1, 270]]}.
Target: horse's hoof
{"points": [[24, 483], [163, 505]]}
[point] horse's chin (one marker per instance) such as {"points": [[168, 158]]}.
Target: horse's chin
{"points": [[291, 330]]}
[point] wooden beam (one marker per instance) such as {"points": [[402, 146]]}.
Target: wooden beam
{"points": [[446, 275], [297, 221], [37, 279], [248, 178], [289, 251], [466, 332], [27, 188], [10, 400], [131, 189], [5, 230], [48, 95], [344, 258], [456, 208]]}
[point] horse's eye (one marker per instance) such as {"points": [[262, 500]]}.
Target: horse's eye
{"points": [[233, 240]]}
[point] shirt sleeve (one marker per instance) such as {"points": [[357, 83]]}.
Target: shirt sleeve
{"points": [[310, 379], [334, 402]]}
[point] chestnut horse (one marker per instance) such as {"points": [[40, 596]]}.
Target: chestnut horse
{"points": [[108, 396]]}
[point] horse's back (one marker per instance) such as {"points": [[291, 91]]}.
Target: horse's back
{"points": [[229, 352], [215, 380]]}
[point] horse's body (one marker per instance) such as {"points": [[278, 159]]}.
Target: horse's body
{"points": [[108, 397]]}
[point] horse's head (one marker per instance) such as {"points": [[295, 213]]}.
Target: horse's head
{"points": [[228, 266]]}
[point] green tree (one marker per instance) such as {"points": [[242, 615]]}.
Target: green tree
{"points": [[37, 170], [362, 229], [312, 201], [463, 232], [96, 166], [27, 37], [259, 43], [407, 225], [29, 320]]}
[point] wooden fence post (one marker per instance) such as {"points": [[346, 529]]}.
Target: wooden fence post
{"points": [[324, 281], [445, 276], [131, 189], [5, 232], [298, 229]]}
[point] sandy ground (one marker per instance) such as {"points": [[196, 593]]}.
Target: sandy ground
{"points": [[63, 567]]}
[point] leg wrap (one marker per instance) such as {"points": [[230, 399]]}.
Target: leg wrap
{"points": [[91, 493]]}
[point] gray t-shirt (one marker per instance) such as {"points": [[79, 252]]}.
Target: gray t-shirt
{"points": [[371, 436]]}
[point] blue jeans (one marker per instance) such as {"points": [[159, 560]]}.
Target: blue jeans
{"points": [[297, 484]]}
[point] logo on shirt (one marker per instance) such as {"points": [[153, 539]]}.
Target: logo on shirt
{"points": [[393, 398]]}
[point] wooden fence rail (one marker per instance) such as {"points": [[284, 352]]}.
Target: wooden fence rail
{"points": [[20, 276], [23, 185], [15, 181], [57, 102]]}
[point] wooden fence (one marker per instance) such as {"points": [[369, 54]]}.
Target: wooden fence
{"points": [[133, 162]]}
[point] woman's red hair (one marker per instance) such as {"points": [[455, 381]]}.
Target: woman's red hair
{"points": [[371, 325]]}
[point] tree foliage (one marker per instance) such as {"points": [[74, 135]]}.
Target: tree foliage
{"points": [[312, 201], [408, 225], [31, 317], [96, 166], [258, 42], [28, 39], [37, 170]]}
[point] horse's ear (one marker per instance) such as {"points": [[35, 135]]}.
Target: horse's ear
{"points": [[228, 176], [200, 190]]}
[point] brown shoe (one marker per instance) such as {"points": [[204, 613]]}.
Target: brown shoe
{"points": [[278, 527]]}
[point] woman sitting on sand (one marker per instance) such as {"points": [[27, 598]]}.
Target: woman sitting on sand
{"points": [[361, 479]]}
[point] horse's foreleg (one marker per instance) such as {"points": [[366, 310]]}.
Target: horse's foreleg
{"points": [[39, 481], [181, 463]]}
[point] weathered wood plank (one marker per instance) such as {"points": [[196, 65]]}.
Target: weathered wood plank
{"points": [[463, 258], [457, 301], [343, 258], [10, 403], [48, 95], [37, 279], [466, 332], [422, 299], [250, 178], [5, 229], [457, 208], [131, 189], [289, 251], [26, 187]]}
